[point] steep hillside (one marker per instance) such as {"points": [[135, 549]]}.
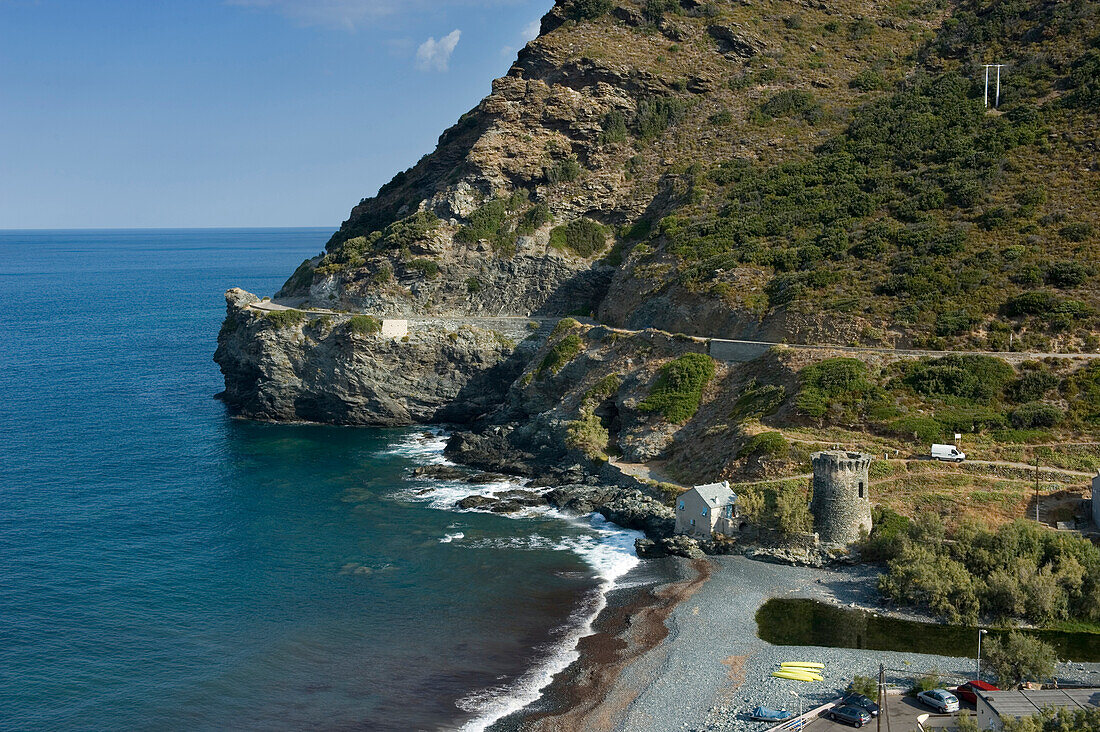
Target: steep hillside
{"points": [[805, 172]]}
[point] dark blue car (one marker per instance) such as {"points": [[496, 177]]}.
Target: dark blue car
{"points": [[859, 700], [849, 714]]}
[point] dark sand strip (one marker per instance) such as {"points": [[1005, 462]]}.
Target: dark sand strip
{"points": [[586, 695]]}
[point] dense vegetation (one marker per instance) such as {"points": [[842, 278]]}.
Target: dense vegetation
{"points": [[679, 387], [929, 399], [1021, 571], [919, 197]]}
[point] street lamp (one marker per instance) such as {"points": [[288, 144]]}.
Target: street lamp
{"points": [[981, 632], [795, 694]]}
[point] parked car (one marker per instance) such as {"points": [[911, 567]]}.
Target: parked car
{"points": [[849, 714], [948, 453], [968, 690], [859, 700], [941, 700]]}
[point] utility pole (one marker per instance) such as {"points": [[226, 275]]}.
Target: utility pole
{"points": [[883, 710], [997, 92]]}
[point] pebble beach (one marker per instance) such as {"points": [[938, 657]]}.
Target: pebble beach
{"points": [[711, 669]]}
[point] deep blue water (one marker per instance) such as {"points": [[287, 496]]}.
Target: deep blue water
{"points": [[163, 566]]}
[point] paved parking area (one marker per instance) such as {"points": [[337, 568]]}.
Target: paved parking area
{"points": [[903, 711]]}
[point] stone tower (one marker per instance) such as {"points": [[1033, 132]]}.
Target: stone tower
{"points": [[842, 498]]}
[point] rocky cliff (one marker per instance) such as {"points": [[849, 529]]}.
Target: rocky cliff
{"points": [[320, 367], [789, 171]]}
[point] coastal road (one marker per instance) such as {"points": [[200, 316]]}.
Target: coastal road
{"points": [[738, 349]]}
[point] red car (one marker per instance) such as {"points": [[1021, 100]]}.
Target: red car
{"points": [[967, 690]]}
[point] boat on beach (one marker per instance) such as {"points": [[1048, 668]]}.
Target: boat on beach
{"points": [[764, 714]]}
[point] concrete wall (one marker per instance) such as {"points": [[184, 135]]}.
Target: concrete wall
{"points": [[395, 328], [737, 351]]}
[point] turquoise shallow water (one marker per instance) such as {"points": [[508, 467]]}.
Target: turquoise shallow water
{"points": [[165, 567]]}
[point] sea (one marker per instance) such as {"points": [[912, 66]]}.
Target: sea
{"points": [[165, 566]]}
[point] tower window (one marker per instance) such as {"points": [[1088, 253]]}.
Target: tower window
{"points": [[861, 489]]}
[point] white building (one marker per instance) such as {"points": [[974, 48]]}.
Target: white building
{"points": [[707, 509]]}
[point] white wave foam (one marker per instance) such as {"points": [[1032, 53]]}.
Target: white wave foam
{"points": [[610, 552], [426, 446], [608, 549]]}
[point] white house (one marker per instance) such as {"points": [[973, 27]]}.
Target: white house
{"points": [[707, 509]]}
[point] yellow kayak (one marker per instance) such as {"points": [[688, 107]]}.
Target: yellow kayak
{"points": [[796, 675], [801, 664]]}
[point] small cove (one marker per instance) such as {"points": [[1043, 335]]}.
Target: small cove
{"points": [[799, 622]]}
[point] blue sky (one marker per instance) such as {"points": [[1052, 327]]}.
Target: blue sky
{"points": [[180, 113]]}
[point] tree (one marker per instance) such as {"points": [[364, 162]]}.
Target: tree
{"points": [[1019, 657]]}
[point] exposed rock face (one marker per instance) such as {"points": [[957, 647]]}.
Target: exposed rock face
{"points": [[320, 370]]}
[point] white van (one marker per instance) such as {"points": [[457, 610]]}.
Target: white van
{"points": [[948, 453]]}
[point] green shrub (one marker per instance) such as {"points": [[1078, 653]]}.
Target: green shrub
{"points": [[1067, 274], [791, 103], [679, 387], [889, 535], [840, 387], [1084, 81], [473, 285], [1083, 395], [427, 267], [489, 221], [606, 388], [722, 118], [1077, 231], [965, 377], [656, 114], [1017, 657], [868, 80], [563, 171], [925, 682], [758, 400], [654, 10], [766, 444], [792, 512], [560, 354], [614, 128], [919, 428], [587, 9], [1036, 415], [409, 230], [588, 435], [864, 685], [363, 324], [564, 326], [583, 237], [535, 217], [284, 319], [383, 275]]}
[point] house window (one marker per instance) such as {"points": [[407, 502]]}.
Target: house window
{"points": [[861, 489], [681, 505], [729, 511], [693, 522], [704, 512]]}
